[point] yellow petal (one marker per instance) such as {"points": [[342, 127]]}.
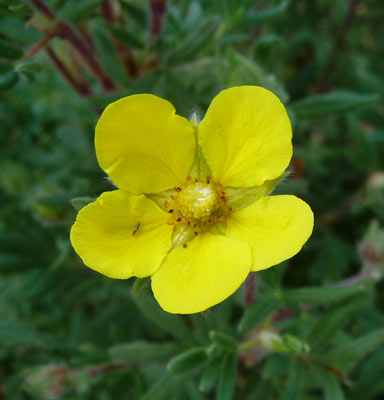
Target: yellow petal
{"points": [[122, 235], [143, 145], [201, 275], [275, 227], [246, 136]]}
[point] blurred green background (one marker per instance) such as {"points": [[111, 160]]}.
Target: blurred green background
{"points": [[311, 328]]}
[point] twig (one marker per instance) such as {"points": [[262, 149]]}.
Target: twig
{"points": [[35, 49], [250, 289], [158, 8], [65, 31], [81, 87]]}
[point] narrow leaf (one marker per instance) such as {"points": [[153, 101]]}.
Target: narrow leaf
{"points": [[188, 360], [141, 351], [228, 375], [258, 312], [210, 375], [332, 103]]}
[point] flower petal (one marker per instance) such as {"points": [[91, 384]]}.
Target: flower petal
{"points": [[246, 136], [201, 275], [122, 235], [143, 145], [275, 227]]}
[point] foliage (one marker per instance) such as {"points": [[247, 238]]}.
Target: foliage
{"points": [[315, 326]]}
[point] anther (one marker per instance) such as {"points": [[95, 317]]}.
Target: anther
{"points": [[173, 197], [189, 222], [194, 225], [170, 211], [171, 222], [178, 189], [230, 209], [166, 203], [188, 178], [196, 233], [210, 221], [196, 180], [208, 179], [178, 219], [185, 245]]}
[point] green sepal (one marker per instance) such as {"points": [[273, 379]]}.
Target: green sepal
{"points": [[139, 283], [239, 198], [79, 202]]}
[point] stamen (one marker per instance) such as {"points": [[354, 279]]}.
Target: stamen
{"points": [[230, 209], [208, 179], [188, 178], [185, 245], [196, 233], [178, 219], [178, 189], [173, 197], [170, 211], [171, 222], [166, 203]]}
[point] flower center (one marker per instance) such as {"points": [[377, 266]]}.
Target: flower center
{"points": [[198, 201]]}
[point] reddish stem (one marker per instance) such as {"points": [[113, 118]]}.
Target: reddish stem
{"points": [[250, 289], [65, 31], [158, 8], [40, 44], [81, 87], [107, 11], [43, 8]]}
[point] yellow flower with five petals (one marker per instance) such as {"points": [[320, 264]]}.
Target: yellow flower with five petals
{"points": [[192, 210]]}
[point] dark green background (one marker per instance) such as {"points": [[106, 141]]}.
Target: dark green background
{"points": [[94, 338]]}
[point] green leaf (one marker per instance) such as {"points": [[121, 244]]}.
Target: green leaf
{"points": [[9, 51], [136, 13], [5, 68], [76, 11], [169, 323], [210, 375], [188, 360], [196, 42], [320, 296], [330, 384], [291, 390], [330, 322], [258, 312], [141, 351], [9, 81], [333, 103], [139, 283], [79, 202], [124, 37], [164, 387], [265, 15], [228, 376], [356, 349], [223, 339]]}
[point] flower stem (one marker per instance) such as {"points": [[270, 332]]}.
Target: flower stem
{"points": [[81, 87], [158, 8], [65, 31]]}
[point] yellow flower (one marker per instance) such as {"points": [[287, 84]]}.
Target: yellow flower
{"points": [[192, 209]]}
